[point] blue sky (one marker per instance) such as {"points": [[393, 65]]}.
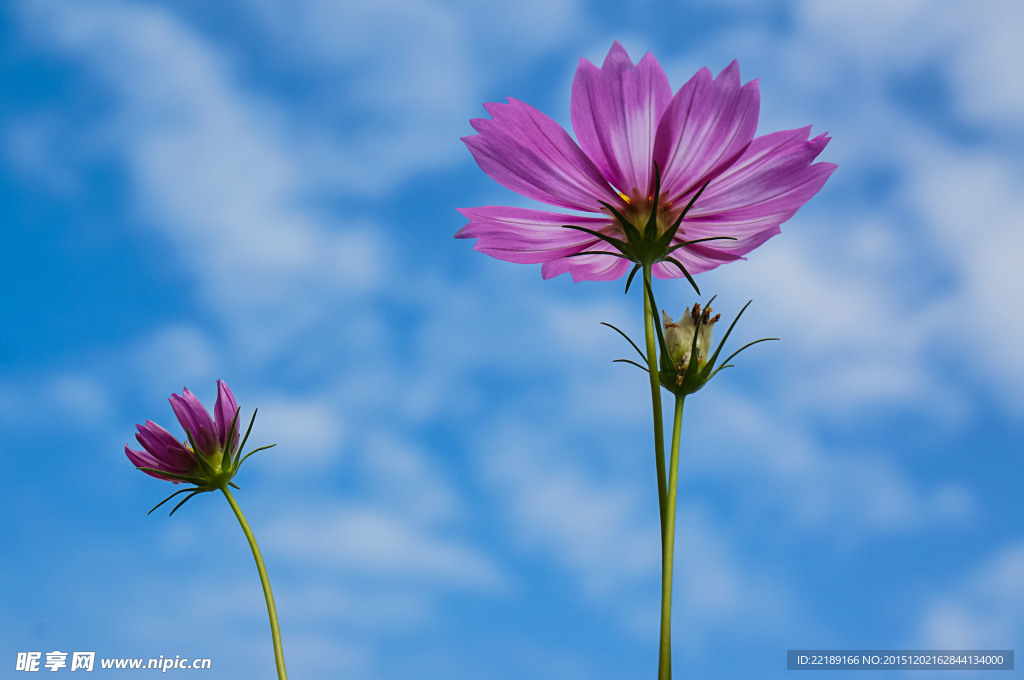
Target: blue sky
{"points": [[265, 192]]}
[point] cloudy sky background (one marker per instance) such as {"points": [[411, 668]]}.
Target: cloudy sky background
{"points": [[463, 486]]}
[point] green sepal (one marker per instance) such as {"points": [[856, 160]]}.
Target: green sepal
{"points": [[646, 248], [693, 378], [203, 463], [632, 233], [685, 273], [584, 253], [630, 361], [700, 240], [611, 240], [187, 498], [629, 279], [246, 437], [191, 479], [228, 460], [726, 364], [628, 339], [167, 499], [670, 233], [721, 344], [268, 446]]}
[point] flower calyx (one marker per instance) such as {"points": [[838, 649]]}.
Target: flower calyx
{"points": [[686, 365], [211, 455], [214, 469], [686, 362], [650, 239]]}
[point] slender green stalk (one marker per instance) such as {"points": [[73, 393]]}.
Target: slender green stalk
{"points": [[271, 609], [659, 427], [668, 548]]}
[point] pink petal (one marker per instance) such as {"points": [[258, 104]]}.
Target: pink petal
{"points": [[162, 450], [615, 112], [224, 416], [764, 188], [526, 236], [696, 258], [707, 127], [141, 459], [196, 420], [598, 267], [531, 154]]}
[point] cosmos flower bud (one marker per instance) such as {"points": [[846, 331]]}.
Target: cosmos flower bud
{"points": [[687, 362], [210, 455], [679, 336]]}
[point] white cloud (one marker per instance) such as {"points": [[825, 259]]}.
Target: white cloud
{"points": [[603, 531], [410, 478], [32, 146], [600, 529], [975, 44], [331, 599], [79, 396], [174, 356], [308, 433], [212, 171], [820, 487], [411, 74], [370, 541], [985, 611], [72, 396], [852, 338], [973, 208]]}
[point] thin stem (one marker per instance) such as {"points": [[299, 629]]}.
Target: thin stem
{"points": [[665, 652], [271, 609], [659, 427]]}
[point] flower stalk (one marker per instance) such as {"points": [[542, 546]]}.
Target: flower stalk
{"points": [[668, 553], [678, 359], [659, 428], [275, 631]]}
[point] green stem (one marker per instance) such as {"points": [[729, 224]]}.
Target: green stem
{"points": [[665, 653], [271, 609], [659, 427]]}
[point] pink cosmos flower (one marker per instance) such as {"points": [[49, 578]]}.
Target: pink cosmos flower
{"points": [[636, 139], [214, 439]]}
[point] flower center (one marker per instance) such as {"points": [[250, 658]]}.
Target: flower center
{"points": [[638, 212]]}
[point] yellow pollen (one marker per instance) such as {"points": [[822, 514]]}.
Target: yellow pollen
{"points": [[625, 198]]}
